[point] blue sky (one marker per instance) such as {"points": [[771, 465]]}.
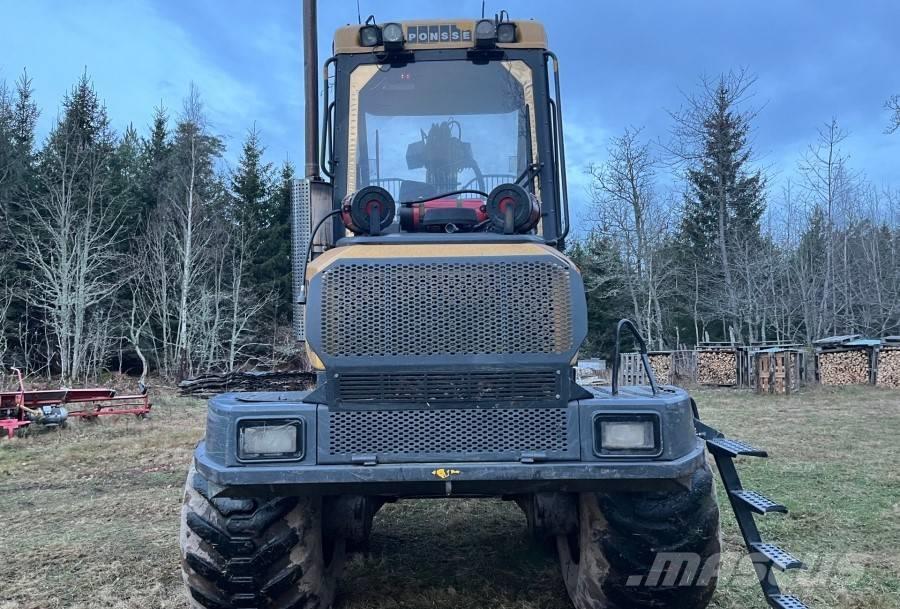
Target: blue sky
{"points": [[624, 63]]}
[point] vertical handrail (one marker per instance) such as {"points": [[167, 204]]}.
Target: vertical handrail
{"points": [[643, 351], [562, 147], [327, 161]]}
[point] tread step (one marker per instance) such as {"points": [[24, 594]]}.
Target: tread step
{"points": [[778, 557], [735, 448], [758, 503], [785, 601]]}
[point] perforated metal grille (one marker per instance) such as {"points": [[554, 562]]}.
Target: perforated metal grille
{"points": [[457, 431], [446, 308], [300, 227], [436, 387]]}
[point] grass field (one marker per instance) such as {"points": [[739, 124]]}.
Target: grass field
{"points": [[90, 514]]}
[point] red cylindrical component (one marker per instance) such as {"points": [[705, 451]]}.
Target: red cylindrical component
{"points": [[357, 208], [513, 209], [412, 216]]}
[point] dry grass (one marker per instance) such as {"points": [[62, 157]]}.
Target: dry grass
{"points": [[90, 515]]}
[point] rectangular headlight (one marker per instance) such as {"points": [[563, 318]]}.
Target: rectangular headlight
{"points": [[626, 434], [267, 440]]}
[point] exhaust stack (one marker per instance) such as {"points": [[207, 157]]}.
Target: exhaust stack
{"points": [[311, 196], [311, 87]]}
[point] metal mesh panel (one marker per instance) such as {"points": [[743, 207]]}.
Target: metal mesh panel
{"points": [[459, 431], [300, 228], [439, 387], [414, 308]]}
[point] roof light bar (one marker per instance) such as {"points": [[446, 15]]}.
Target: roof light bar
{"points": [[485, 33], [506, 32], [370, 35], [392, 35]]}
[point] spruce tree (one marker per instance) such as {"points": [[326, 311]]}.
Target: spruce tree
{"points": [[724, 199], [252, 187], [18, 121], [156, 161], [126, 163], [272, 263], [258, 211], [25, 116], [7, 151], [602, 271]]}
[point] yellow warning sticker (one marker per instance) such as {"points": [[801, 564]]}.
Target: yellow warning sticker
{"points": [[443, 473]]}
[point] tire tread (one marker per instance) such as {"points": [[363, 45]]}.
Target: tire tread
{"points": [[252, 553]]}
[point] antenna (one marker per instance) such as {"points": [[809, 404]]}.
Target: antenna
{"points": [[482, 9], [358, 13]]}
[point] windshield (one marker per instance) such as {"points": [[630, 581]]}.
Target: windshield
{"points": [[433, 127]]}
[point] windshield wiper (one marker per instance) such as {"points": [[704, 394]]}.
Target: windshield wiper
{"points": [[532, 168], [528, 174]]}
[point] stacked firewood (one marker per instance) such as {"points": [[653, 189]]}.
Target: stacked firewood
{"points": [[850, 367], [213, 384], [889, 368], [716, 368], [661, 363]]}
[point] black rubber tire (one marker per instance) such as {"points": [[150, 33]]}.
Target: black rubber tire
{"points": [[618, 540], [255, 553]]}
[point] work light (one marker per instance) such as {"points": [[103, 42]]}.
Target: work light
{"points": [[626, 435], [392, 35], [370, 36], [506, 32], [485, 33], [270, 440]]}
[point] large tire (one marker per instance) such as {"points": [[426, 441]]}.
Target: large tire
{"points": [[610, 563], [255, 553]]}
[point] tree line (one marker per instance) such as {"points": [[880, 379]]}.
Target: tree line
{"points": [[691, 237], [137, 252], [144, 252]]}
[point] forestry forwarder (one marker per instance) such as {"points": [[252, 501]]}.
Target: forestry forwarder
{"points": [[444, 321]]}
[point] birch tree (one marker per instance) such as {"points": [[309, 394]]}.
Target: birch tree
{"points": [[627, 210], [190, 201], [68, 229]]}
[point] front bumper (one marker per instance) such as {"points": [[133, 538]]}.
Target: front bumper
{"points": [[682, 453], [447, 479]]}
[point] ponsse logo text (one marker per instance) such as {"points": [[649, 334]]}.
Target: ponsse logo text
{"points": [[430, 34]]}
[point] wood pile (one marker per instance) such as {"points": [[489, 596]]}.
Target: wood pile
{"points": [[889, 367], [717, 367], [661, 363], [844, 367], [213, 384]]}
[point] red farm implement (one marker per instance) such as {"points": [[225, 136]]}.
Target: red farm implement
{"points": [[48, 407]]}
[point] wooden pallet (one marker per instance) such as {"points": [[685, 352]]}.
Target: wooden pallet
{"points": [[778, 371]]}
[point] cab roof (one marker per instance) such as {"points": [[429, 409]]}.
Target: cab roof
{"points": [[427, 34]]}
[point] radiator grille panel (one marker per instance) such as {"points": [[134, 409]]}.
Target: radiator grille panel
{"points": [[435, 387], [413, 433], [411, 308]]}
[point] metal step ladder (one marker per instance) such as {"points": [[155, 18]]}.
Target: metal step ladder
{"points": [[766, 557]]}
